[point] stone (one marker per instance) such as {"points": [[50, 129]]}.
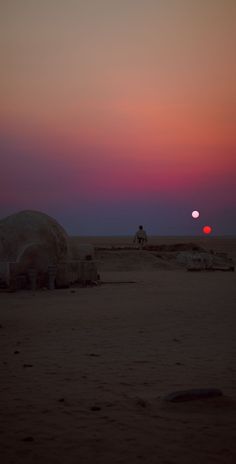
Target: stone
{"points": [[30, 439], [193, 394], [95, 408]]}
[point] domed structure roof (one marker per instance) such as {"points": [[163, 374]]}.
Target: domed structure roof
{"points": [[26, 228]]}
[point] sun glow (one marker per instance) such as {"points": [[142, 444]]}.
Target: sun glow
{"points": [[207, 230]]}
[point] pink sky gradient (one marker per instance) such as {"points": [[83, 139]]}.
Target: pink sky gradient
{"points": [[115, 113]]}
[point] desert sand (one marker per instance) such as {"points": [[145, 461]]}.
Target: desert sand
{"points": [[84, 371]]}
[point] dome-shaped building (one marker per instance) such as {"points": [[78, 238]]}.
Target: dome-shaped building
{"points": [[35, 252], [32, 238]]}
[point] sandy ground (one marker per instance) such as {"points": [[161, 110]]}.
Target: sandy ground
{"points": [[84, 371]]}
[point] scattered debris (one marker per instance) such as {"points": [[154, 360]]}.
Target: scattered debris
{"points": [[204, 261]]}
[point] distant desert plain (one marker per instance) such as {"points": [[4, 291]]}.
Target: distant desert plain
{"points": [[85, 372]]}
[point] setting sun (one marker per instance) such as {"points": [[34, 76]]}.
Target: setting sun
{"points": [[207, 230]]}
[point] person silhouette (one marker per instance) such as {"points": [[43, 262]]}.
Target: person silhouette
{"points": [[140, 237]]}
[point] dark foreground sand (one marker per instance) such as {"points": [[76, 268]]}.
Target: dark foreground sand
{"points": [[84, 371]]}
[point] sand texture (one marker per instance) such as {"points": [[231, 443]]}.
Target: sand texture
{"points": [[84, 371]]}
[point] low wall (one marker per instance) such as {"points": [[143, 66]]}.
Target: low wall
{"points": [[61, 275]]}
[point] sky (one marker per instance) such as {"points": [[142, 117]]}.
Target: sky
{"points": [[119, 113]]}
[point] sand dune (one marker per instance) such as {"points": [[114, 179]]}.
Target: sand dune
{"points": [[84, 371]]}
